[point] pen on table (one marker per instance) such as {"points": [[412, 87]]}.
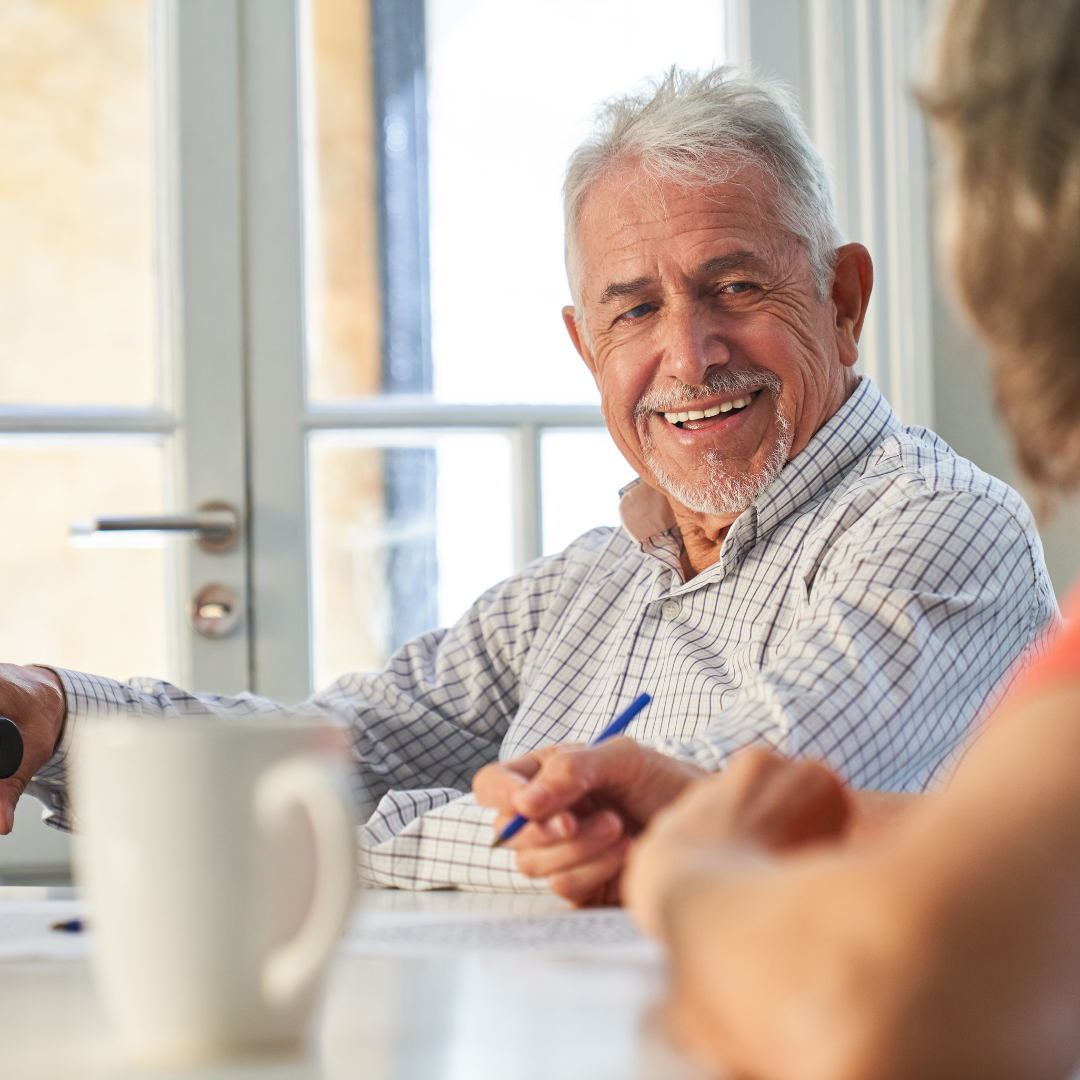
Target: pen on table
{"points": [[616, 727], [72, 926]]}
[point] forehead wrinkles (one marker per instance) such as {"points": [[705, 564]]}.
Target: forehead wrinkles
{"points": [[630, 229], [629, 196]]}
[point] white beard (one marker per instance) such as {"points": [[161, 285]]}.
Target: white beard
{"points": [[721, 493]]}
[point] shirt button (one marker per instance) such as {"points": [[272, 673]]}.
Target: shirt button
{"points": [[670, 609]]}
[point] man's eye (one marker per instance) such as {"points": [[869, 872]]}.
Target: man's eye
{"points": [[737, 286], [638, 312]]}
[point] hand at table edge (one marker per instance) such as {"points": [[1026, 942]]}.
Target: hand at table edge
{"points": [[33, 697], [584, 805]]}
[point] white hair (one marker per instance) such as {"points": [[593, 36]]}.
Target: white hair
{"points": [[697, 129]]}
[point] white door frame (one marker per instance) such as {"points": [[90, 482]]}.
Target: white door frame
{"points": [[852, 64], [200, 227]]}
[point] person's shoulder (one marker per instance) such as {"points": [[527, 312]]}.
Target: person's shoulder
{"points": [[599, 549], [915, 462], [601, 546]]}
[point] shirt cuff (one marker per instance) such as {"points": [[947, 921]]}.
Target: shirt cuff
{"points": [[86, 695], [437, 839]]}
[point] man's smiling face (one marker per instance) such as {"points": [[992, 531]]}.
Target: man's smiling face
{"points": [[715, 358]]}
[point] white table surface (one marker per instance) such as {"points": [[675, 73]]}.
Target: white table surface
{"points": [[472, 1015]]}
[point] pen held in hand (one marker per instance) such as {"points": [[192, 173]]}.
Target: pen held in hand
{"points": [[616, 727]]}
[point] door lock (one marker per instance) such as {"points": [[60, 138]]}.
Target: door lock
{"points": [[215, 611]]}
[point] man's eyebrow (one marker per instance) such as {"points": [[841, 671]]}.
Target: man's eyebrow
{"points": [[618, 289], [735, 260]]}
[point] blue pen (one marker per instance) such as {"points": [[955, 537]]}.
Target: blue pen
{"points": [[616, 727]]}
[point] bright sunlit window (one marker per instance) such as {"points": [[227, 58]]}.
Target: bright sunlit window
{"points": [[436, 137]]}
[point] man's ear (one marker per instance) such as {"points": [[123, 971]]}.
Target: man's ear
{"points": [[578, 339], [853, 278]]}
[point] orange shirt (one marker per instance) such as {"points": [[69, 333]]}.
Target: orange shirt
{"points": [[1061, 661]]}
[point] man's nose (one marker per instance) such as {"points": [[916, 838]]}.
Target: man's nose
{"points": [[692, 345]]}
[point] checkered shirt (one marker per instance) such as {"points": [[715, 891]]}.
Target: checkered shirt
{"points": [[861, 611]]}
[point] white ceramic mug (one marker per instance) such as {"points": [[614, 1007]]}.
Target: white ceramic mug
{"points": [[219, 862]]}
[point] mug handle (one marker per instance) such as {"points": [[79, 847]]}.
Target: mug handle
{"points": [[300, 782]]}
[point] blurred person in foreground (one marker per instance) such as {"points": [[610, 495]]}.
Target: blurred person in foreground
{"points": [[950, 945]]}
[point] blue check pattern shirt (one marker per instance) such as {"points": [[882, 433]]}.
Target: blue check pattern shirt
{"points": [[862, 611]]}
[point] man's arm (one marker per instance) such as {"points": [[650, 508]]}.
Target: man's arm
{"points": [[911, 619], [420, 730]]}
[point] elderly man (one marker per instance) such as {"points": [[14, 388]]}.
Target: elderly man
{"points": [[795, 567]]}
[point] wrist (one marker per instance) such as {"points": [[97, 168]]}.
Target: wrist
{"points": [[52, 699]]}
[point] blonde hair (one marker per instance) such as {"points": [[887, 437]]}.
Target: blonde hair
{"points": [[1004, 93]]}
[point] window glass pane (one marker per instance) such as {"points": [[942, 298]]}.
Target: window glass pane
{"points": [[408, 529], [510, 89], [98, 604], [582, 472], [341, 219], [76, 262]]}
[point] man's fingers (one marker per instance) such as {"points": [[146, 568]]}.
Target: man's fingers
{"points": [[592, 839], [596, 882], [497, 783], [537, 834], [618, 773], [567, 776], [9, 796]]}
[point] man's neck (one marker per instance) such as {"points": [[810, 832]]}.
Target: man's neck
{"points": [[702, 537]]}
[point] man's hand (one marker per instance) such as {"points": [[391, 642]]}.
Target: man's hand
{"points": [[34, 699], [584, 805], [763, 803]]}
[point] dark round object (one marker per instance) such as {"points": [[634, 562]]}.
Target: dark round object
{"points": [[11, 748]]}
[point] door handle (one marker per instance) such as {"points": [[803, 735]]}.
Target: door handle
{"points": [[216, 526]]}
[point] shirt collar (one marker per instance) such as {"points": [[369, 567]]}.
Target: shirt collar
{"points": [[864, 421]]}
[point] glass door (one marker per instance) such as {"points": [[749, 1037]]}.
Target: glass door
{"points": [[121, 336]]}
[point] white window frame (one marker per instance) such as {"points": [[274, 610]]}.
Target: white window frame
{"points": [[852, 65]]}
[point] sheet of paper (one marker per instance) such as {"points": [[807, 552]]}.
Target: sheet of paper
{"points": [[601, 933], [26, 930]]}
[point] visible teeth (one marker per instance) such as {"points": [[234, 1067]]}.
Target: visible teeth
{"points": [[715, 410]]}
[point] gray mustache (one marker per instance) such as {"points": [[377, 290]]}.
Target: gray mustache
{"points": [[721, 381]]}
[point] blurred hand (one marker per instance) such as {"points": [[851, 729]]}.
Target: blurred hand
{"points": [[584, 805], [763, 803], [34, 699]]}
